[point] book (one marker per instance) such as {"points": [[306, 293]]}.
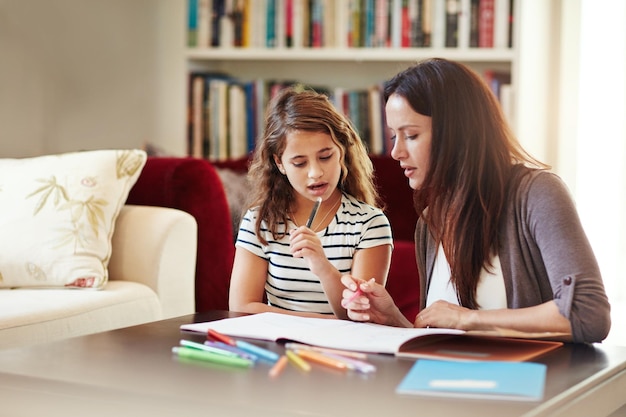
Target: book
{"points": [[485, 23], [522, 381], [440, 343], [192, 23]]}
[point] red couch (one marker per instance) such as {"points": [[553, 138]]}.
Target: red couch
{"points": [[194, 186]]}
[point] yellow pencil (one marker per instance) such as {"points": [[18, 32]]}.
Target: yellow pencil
{"points": [[298, 361]]}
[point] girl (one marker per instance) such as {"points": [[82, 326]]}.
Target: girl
{"points": [[308, 151]]}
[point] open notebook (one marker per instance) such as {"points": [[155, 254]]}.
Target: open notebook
{"points": [[436, 343]]}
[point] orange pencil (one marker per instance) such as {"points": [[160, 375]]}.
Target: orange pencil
{"points": [[322, 359], [278, 366]]}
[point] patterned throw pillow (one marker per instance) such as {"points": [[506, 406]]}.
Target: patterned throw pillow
{"points": [[57, 214]]}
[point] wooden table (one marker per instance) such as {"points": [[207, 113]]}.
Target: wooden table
{"points": [[132, 372]]}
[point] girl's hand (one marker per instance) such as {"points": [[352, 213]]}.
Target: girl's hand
{"points": [[304, 243]]}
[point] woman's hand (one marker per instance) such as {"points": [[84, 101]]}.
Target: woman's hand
{"points": [[445, 315], [370, 301]]}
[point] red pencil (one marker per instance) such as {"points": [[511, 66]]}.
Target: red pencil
{"points": [[221, 337]]}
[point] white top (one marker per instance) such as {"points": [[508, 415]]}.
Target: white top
{"points": [[290, 284], [490, 293]]}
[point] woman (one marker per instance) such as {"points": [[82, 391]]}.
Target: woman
{"points": [[284, 262], [498, 242]]}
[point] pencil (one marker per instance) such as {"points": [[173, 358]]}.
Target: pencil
{"points": [[316, 206], [278, 366], [214, 334], [355, 295], [298, 361], [322, 359], [350, 354]]}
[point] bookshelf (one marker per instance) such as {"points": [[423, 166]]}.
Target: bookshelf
{"points": [[338, 66]]}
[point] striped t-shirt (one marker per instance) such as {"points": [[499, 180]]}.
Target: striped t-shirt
{"points": [[290, 284]]}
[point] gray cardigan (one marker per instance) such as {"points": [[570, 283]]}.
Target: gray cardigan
{"points": [[544, 253]]}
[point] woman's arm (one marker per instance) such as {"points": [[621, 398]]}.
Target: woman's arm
{"points": [[540, 318], [552, 222]]}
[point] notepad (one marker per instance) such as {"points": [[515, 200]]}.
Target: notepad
{"points": [[452, 344], [519, 381]]}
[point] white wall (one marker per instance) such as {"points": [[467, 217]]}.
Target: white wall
{"points": [[77, 74]]}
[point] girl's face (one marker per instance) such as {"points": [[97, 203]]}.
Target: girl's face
{"points": [[311, 162], [412, 139]]}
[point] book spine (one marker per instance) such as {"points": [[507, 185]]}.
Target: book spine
{"points": [[192, 23], [463, 34], [270, 24], [329, 28], [485, 23], [289, 23], [204, 23], [381, 23], [452, 23], [426, 17], [368, 27], [438, 14], [501, 24], [279, 24], [474, 17]]}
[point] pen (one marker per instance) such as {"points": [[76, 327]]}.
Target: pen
{"points": [[221, 337], [208, 348], [233, 349], [322, 359], [278, 366], [255, 350], [298, 361], [201, 355], [309, 222], [350, 354]]}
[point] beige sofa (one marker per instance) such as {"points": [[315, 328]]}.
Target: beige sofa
{"points": [[151, 277]]}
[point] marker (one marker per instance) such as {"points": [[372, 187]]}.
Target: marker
{"points": [[208, 348], [298, 361], [201, 355], [255, 350], [233, 349], [278, 366], [221, 337], [316, 206], [322, 359]]}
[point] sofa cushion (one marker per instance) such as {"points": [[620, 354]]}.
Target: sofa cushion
{"points": [[57, 215], [29, 316]]}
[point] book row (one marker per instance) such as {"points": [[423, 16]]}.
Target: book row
{"points": [[225, 115], [350, 23]]}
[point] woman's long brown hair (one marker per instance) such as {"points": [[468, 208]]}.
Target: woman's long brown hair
{"points": [[473, 152]]}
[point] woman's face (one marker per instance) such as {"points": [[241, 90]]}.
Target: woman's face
{"points": [[412, 139], [311, 163]]}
